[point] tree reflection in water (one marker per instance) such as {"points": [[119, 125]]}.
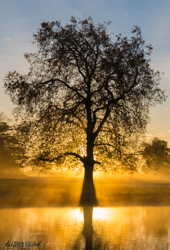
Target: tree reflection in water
{"points": [[89, 240], [90, 228]]}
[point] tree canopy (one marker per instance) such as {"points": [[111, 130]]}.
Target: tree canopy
{"points": [[11, 153], [156, 155], [87, 94]]}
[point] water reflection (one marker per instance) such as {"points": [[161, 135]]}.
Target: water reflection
{"points": [[88, 228]]}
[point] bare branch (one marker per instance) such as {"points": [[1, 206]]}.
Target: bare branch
{"points": [[55, 159]]}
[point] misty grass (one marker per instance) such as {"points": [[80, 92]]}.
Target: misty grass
{"points": [[133, 193], [34, 192], [52, 192]]}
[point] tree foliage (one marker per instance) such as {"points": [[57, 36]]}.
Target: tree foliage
{"points": [[86, 96], [156, 155], [11, 152]]}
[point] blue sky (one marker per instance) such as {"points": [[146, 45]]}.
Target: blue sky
{"points": [[19, 19]]}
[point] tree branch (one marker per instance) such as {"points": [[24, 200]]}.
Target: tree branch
{"points": [[103, 120], [61, 156], [82, 159], [67, 85]]}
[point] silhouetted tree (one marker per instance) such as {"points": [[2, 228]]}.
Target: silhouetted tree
{"points": [[86, 97], [156, 155], [11, 153]]}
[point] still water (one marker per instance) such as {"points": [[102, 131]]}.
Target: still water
{"points": [[88, 228]]}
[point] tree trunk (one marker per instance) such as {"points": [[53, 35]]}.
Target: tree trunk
{"points": [[88, 196]]}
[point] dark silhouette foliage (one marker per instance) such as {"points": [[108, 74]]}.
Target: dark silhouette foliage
{"points": [[11, 153], [156, 155], [86, 97]]}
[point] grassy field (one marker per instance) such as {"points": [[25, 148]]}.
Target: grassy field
{"points": [[55, 192]]}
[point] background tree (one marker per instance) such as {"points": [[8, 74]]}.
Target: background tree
{"points": [[156, 155], [86, 97], [11, 152]]}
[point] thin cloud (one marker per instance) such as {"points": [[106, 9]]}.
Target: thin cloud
{"points": [[6, 39]]}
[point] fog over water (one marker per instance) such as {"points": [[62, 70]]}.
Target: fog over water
{"points": [[138, 227], [133, 212]]}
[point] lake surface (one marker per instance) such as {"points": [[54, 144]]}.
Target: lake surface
{"points": [[111, 228]]}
